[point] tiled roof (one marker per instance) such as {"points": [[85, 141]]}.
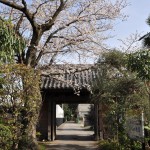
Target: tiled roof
{"points": [[67, 77]]}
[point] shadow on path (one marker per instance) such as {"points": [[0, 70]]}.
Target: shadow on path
{"points": [[72, 136], [69, 147], [75, 137]]}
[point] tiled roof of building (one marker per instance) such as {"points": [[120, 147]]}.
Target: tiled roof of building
{"points": [[67, 76]]}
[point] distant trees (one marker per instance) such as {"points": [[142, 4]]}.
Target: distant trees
{"points": [[70, 111]]}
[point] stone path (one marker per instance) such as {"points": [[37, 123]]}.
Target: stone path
{"points": [[72, 136]]}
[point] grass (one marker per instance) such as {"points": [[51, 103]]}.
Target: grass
{"points": [[43, 145]]}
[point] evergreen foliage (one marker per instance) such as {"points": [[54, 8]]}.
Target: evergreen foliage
{"points": [[5, 137], [11, 44], [139, 62], [20, 103], [117, 90]]}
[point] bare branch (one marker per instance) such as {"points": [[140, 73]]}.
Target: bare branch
{"points": [[50, 36], [131, 43], [22, 9], [11, 4], [39, 8], [50, 23], [60, 51], [24, 4], [19, 24]]}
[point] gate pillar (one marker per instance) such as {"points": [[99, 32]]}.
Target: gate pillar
{"points": [[42, 125], [53, 120], [96, 124]]}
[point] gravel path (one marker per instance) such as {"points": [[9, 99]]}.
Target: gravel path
{"points": [[72, 136]]}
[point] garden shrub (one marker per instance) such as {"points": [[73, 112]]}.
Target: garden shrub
{"points": [[5, 137], [114, 145], [136, 145], [108, 145], [20, 103]]}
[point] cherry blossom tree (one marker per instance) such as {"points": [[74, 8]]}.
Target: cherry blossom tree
{"points": [[57, 27]]}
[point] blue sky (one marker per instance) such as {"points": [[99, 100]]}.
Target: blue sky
{"points": [[138, 11]]}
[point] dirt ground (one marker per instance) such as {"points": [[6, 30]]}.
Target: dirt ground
{"points": [[73, 136]]}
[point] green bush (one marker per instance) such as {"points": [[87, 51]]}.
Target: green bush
{"points": [[114, 145], [108, 145], [42, 146], [20, 103], [136, 145], [5, 138]]}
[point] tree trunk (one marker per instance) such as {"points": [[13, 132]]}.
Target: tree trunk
{"points": [[32, 50]]}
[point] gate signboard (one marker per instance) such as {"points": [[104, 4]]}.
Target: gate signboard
{"points": [[135, 125]]}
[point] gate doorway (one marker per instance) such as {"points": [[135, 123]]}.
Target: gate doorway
{"points": [[47, 121], [77, 124], [72, 87]]}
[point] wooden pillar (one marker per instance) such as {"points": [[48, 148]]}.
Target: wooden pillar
{"points": [[96, 126], [100, 122], [42, 126], [53, 121], [49, 120]]}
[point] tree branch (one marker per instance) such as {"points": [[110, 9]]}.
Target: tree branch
{"points": [[50, 36], [50, 23], [39, 8], [22, 9], [53, 58], [19, 24], [24, 4], [21, 57], [11, 4]]}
